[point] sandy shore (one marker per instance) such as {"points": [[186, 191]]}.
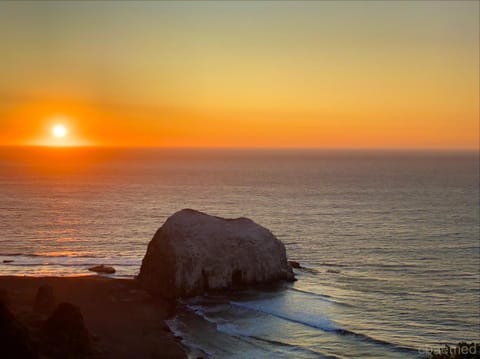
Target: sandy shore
{"points": [[123, 321]]}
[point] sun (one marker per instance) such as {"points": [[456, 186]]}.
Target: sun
{"points": [[59, 131]]}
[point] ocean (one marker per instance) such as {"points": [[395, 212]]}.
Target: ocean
{"points": [[389, 240]]}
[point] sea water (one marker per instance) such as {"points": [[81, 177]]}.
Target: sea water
{"points": [[389, 240]]}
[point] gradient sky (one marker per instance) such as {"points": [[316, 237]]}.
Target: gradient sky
{"points": [[282, 74]]}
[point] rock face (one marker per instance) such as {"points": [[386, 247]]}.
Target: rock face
{"points": [[4, 297], [295, 264], [15, 341], [193, 252], [64, 334], [44, 300]]}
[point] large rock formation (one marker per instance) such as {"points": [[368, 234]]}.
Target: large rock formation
{"points": [[193, 252]]}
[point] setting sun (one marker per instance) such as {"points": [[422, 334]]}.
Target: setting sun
{"points": [[59, 131]]}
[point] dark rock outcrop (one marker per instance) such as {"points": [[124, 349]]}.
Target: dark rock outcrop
{"points": [[102, 269], [15, 341], [334, 271], [44, 300], [4, 297], [194, 252], [64, 334], [295, 264]]}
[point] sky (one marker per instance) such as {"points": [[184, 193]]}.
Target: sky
{"points": [[241, 74]]}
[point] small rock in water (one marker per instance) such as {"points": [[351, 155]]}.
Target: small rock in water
{"points": [[295, 264], [44, 300], [102, 269], [335, 271]]}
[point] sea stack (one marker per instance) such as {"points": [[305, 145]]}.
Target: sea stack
{"points": [[194, 252]]}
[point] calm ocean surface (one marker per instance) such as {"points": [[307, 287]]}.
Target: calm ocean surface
{"points": [[390, 239]]}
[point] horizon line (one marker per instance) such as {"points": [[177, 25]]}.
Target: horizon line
{"points": [[398, 149]]}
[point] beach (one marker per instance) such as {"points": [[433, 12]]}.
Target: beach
{"points": [[122, 321]]}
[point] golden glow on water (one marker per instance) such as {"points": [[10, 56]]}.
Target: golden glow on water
{"points": [[61, 253], [65, 239]]}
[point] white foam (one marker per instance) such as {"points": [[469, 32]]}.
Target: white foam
{"points": [[194, 350], [272, 307]]}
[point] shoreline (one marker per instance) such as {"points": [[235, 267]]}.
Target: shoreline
{"points": [[122, 320]]}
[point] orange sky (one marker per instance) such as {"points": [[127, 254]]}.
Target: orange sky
{"points": [[255, 74]]}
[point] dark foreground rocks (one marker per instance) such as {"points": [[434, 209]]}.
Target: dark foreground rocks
{"points": [[64, 334], [295, 264], [122, 321], [44, 300], [194, 252], [15, 341], [4, 297], [32, 334]]}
